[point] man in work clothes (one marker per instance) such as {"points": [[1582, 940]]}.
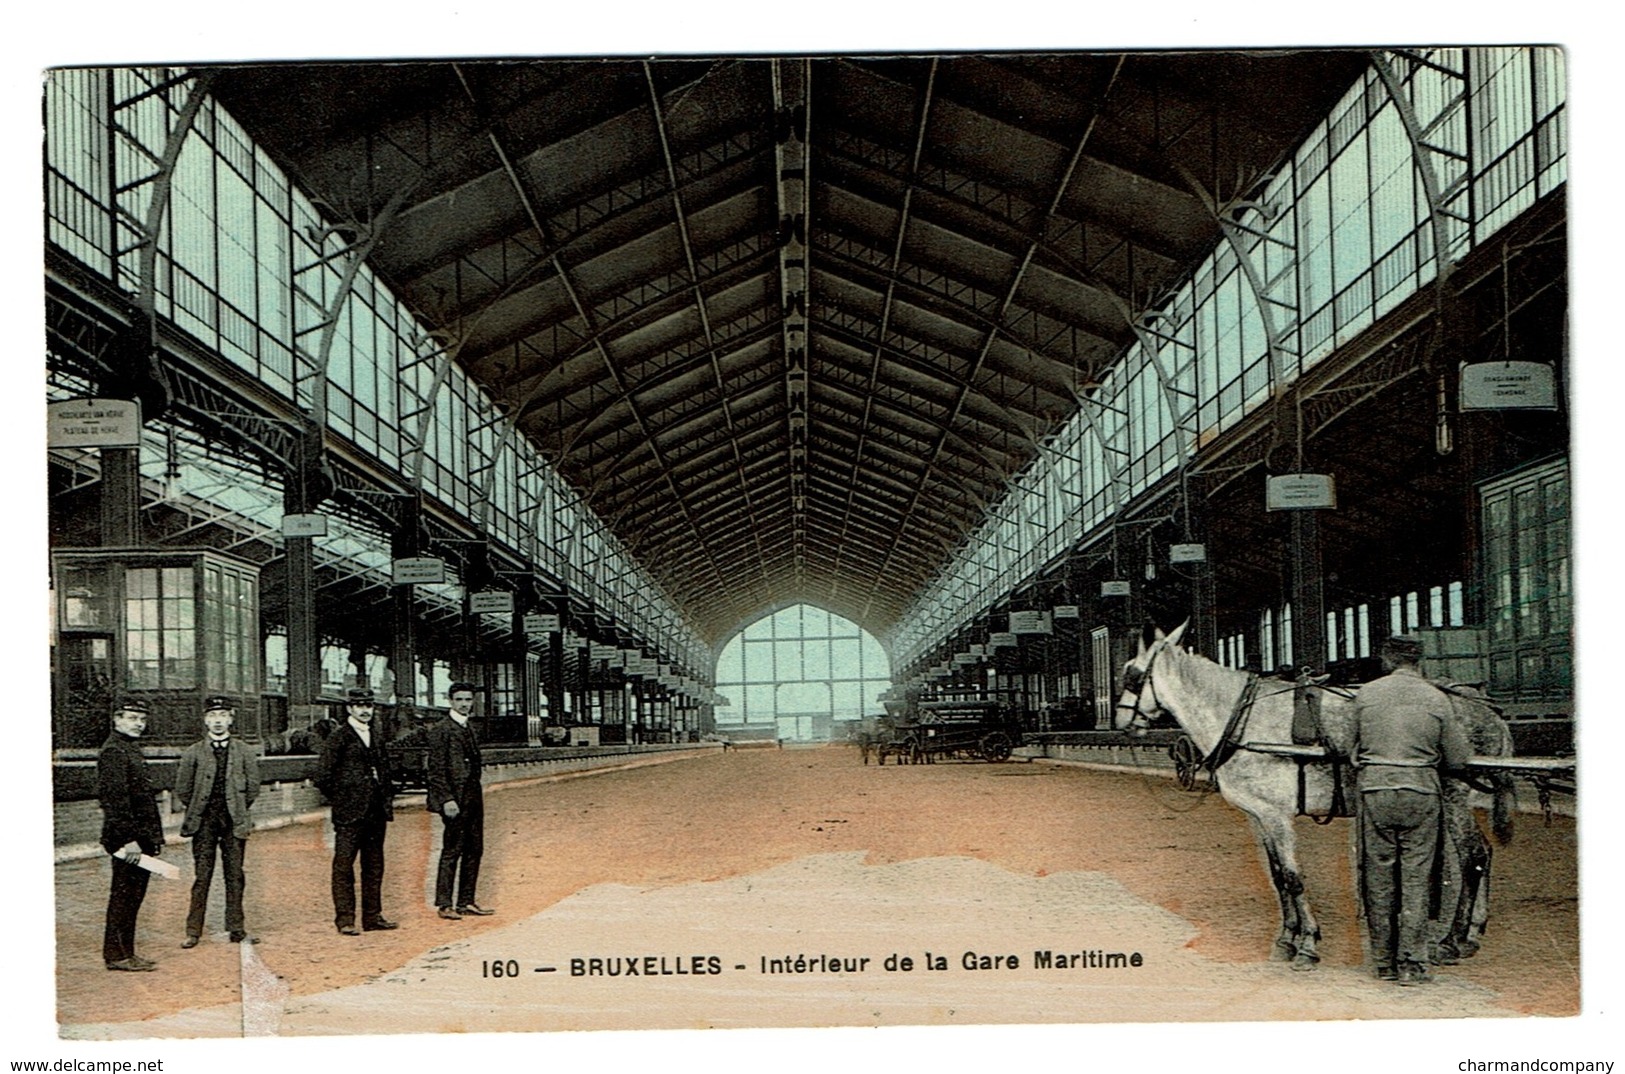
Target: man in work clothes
{"points": [[353, 772], [1404, 732], [130, 827], [216, 782], [455, 793]]}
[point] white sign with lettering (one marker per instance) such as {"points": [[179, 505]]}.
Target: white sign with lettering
{"points": [[1300, 492], [1066, 611], [1187, 553], [304, 525], [1508, 386], [1033, 622], [491, 602], [1116, 588], [418, 570], [541, 623], [93, 423], [1001, 639]]}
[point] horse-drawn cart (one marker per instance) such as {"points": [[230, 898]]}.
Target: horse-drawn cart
{"points": [[972, 730]]}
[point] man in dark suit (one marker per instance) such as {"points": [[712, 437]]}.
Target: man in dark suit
{"points": [[131, 827], [455, 793], [216, 782], [353, 772]]}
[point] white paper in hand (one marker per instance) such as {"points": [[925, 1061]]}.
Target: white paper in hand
{"points": [[159, 867]]}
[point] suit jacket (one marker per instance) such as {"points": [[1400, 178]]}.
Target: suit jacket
{"points": [[194, 779], [129, 810], [344, 774], [453, 764]]}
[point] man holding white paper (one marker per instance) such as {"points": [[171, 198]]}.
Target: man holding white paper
{"points": [[130, 828]]}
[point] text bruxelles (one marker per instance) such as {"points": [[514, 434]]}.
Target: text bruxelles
{"points": [[706, 965]]}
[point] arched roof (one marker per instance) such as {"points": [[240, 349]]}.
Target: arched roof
{"points": [[789, 324]]}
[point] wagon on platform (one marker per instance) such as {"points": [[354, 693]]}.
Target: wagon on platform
{"points": [[922, 732]]}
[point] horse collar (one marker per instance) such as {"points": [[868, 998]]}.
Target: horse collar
{"points": [[1230, 739]]}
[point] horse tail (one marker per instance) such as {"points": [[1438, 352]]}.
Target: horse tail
{"points": [[1506, 802]]}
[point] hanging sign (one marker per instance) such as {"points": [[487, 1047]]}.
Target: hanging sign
{"points": [[491, 602], [1508, 386], [541, 623], [417, 570], [1187, 553], [113, 423], [1066, 611], [1116, 588], [964, 659], [1001, 640], [304, 525], [1033, 622], [977, 650], [604, 652], [1300, 492]]}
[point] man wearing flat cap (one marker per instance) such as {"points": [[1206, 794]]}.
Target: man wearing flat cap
{"points": [[353, 772], [1404, 733], [131, 827], [217, 780]]}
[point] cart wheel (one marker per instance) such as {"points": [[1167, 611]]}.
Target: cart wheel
{"points": [[996, 746], [1187, 761]]}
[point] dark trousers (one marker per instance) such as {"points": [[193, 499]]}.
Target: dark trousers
{"points": [[1399, 838], [123, 904], [365, 839], [461, 842], [216, 835]]}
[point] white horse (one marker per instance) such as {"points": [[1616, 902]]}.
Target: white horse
{"points": [[1231, 715]]}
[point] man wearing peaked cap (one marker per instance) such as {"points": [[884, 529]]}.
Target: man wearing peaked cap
{"points": [[217, 780], [131, 827], [1403, 733], [353, 772]]}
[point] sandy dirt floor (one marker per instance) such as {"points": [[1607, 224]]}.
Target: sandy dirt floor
{"points": [[756, 855]]}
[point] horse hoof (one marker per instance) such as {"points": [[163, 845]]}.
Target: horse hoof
{"points": [[1283, 952], [1305, 962]]}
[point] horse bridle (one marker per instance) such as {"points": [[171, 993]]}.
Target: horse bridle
{"points": [[1135, 679]]}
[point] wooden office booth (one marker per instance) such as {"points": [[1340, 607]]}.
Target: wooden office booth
{"points": [[169, 626]]}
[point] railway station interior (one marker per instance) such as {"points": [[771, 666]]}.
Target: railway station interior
{"points": [[706, 402]]}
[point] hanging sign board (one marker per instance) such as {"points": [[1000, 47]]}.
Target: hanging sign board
{"points": [[1300, 492], [491, 602], [964, 659], [977, 650], [418, 570], [633, 665], [304, 525], [1029, 622], [1187, 553], [113, 423], [1000, 640], [604, 652], [541, 623], [1116, 588], [1508, 386], [1066, 611]]}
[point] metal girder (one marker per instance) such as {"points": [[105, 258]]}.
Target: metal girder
{"points": [[1015, 284], [694, 277], [616, 374]]}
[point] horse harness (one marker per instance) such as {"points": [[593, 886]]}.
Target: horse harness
{"points": [[1305, 726]]}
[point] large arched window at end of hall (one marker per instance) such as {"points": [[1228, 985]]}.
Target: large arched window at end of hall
{"points": [[798, 671]]}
